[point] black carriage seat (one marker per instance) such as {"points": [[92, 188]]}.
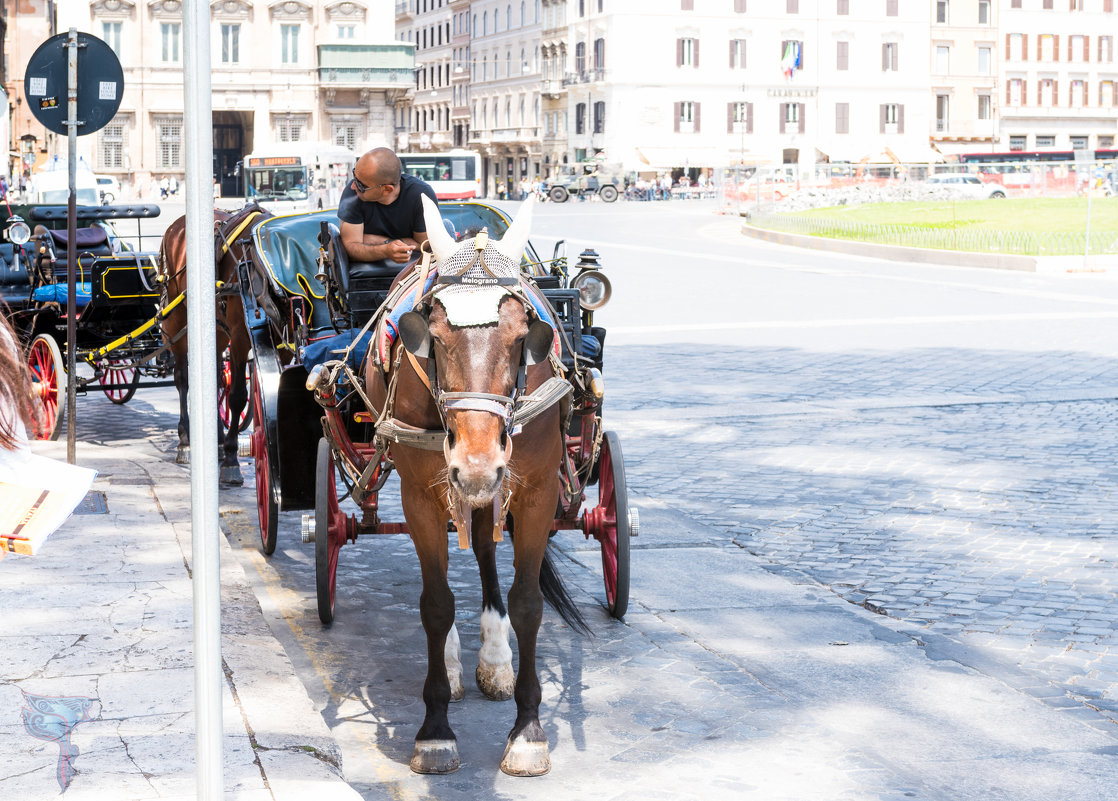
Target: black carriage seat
{"points": [[93, 241], [364, 284], [15, 278]]}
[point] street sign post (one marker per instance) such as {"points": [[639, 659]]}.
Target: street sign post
{"points": [[65, 99]]}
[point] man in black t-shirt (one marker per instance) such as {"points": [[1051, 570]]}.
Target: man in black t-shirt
{"points": [[380, 212]]}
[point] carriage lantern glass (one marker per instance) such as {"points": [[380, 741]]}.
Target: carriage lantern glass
{"points": [[18, 232], [594, 289]]}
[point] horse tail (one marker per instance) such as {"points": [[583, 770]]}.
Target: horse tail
{"points": [[555, 593]]}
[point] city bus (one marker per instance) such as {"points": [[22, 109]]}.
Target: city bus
{"points": [[295, 177], [454, 175]]}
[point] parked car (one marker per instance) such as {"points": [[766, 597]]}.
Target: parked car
{"points": [[966, 186], [109, 188]]}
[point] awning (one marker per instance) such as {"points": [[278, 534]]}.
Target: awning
{"points": [[648, 157]]}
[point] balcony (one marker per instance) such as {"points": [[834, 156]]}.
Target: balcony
{"points": [[405, 10], [366, 66], [586, 76], [552, 88]]}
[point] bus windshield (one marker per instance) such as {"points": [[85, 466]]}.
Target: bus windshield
{"points": [[277, 183]]}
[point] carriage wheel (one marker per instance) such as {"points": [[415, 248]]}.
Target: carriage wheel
{"points": [[265, 483], [614, 529], [48, 386], [118, 379], [225, 384], [329, 532]]}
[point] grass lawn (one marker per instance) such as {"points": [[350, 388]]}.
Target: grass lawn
{"points": [[1025, 226], [1055, 215]]}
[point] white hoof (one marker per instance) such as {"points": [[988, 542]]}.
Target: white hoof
{"points": [[495, 681], [183, 456], [523, 758], [435, 756]]}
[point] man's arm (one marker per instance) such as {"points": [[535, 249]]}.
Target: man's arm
{"points": [[373, 247]]}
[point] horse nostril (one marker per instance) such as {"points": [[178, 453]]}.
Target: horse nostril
{"points": [[500, 474], [454, 475]]}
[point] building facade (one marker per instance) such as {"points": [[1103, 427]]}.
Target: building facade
{"points": [[281, 72], [1059, 77]]}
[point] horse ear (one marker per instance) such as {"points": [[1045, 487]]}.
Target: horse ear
{"points": [[538, 343], [442, 244], [516, 237], [415, 333]]}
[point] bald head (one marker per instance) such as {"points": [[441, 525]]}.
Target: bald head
{"points": [[381, 165]]}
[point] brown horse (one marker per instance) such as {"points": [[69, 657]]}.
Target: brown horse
{"points": [[229, 233], [484, 356]]}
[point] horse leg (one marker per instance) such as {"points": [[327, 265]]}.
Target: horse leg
{"points": [[436, 748], [182, 386], [526, 752], [237, 397], [494, 673]]}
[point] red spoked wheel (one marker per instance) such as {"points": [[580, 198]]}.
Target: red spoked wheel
{"points": [[265, 482], [329, 532], [224, 385], [611, 524], [118, 379], [48, 386]]}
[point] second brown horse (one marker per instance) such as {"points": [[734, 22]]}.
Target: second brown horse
{"points": [[230, 234]]}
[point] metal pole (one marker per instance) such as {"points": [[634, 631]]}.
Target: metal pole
{"points": [[202, 400], [71, 244]]}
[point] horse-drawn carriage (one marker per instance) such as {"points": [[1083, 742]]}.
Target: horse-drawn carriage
{"points": [[316, 441], [117, 339]]}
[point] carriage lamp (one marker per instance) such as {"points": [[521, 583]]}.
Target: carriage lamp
{"points": [[316, 377], [588, 260], [18, 232], [594, 289]]}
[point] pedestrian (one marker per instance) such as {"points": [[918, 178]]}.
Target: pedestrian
{"points": [[380, 212], [15, 389]]}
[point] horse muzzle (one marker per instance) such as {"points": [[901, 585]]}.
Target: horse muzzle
{"points": [[477, 466]]}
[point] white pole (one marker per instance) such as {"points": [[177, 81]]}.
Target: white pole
{"points": [[197, 136]]}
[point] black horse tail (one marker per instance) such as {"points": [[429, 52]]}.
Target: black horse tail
{"points": [[555, 593]]}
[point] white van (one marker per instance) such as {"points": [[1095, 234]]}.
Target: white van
{"points": [[52, 188]]}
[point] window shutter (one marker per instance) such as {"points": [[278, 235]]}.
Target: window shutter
{"points": [[881, 120], [1008, 94], [729, 118], [695, 52], [1056, 47], [698, 106], [749, 118], [679, 52], [1056, 93], [1084, 93], [1025, 47], [884, 57], [1024, 92], [783, 116], [1040, 93], [900, 119], [1087, 48], [896, 53], [801, 108], [733, 54], [1007, 50], [678, 110]]}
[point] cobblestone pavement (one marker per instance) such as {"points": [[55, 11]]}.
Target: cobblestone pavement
{"points": [[969, 493]]}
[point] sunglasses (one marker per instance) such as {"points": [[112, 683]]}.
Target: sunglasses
{"points": [[360, 186]]}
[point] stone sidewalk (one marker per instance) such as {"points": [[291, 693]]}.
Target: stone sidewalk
{"points": [[99, 639]]}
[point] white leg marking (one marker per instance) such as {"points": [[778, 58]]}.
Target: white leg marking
{"points": [[494, 675], [452, 653]]}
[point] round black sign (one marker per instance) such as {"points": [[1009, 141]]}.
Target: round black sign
{"points": [[100, 83]]}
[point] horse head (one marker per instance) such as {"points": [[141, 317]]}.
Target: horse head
{"points": [[482, 334]]}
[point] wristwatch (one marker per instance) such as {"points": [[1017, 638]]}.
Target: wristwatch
{"points": [[388, 241]]}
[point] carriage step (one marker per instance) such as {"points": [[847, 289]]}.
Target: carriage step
{"points": [[634, 521], [308, 528], [244, 445]]}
